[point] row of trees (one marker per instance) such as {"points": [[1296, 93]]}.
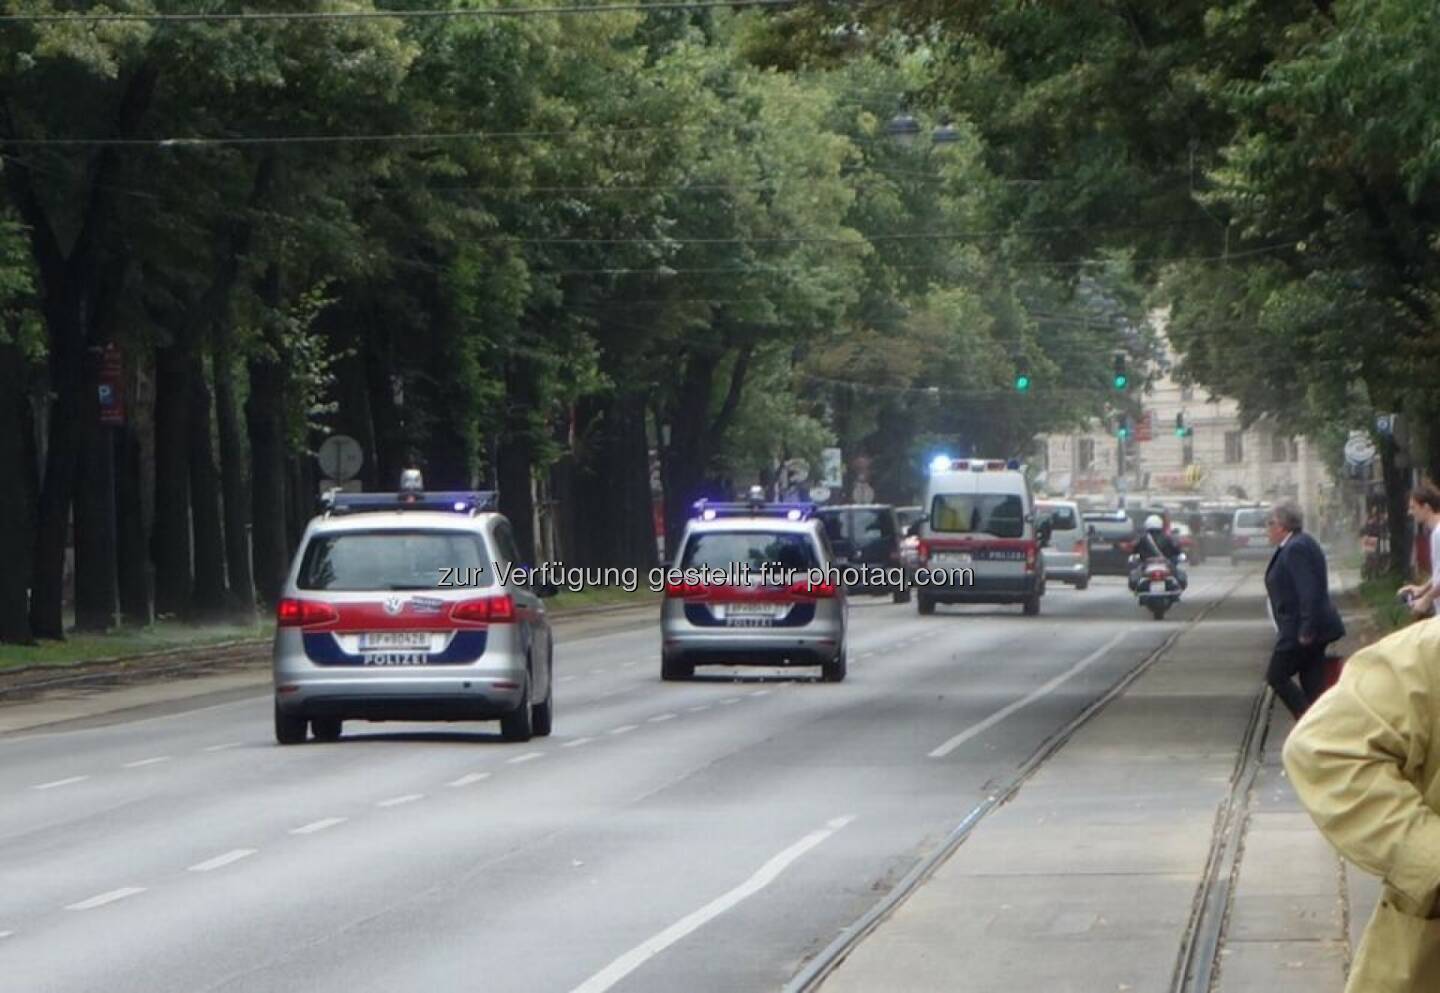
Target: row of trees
{"points": [[1278, 165], [523, 250]]}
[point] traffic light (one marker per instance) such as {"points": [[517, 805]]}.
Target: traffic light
{"points": [[1022, 381], [1122, 378], [1122, 428], [1182, 430]]}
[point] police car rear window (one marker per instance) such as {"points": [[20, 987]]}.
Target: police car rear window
{"points": [[394, 560], [723, 549], [1061, 518], [998, 514]]}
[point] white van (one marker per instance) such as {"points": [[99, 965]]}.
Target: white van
{"points": [[980, 517]]}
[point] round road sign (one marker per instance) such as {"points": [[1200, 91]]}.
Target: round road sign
{"points": [[341, 457]]}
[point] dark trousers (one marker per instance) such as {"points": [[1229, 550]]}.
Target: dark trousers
{"points": [[1304, 661]]}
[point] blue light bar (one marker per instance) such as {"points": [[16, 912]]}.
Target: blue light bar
{"points": [[709, 510], [444, 501]]}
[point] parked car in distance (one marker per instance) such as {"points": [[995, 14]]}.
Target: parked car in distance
{"points": [[1248, 539], [1067, 556]]}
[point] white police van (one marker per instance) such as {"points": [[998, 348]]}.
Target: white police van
{"points": [[980, 522]]}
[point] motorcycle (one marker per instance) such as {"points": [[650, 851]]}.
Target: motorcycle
{"points": [[1157, 586]]}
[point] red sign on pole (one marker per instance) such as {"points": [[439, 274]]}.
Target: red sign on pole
{"points": [[112, 393]]}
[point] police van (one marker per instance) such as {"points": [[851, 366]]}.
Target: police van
{"points": [[980, 527]]}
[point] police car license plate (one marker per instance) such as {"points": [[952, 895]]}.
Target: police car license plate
{"points": [[750, 615], [379, 641], [953, 558]]}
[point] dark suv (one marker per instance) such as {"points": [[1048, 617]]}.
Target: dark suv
{"points": [[867, 535], [1112, 537]]}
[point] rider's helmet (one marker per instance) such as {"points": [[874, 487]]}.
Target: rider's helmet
{"points": [[1154, 523]]}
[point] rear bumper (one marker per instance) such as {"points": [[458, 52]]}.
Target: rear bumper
{"points": [[997, 590], [452, 699], [752, 646], [1071, 569]]}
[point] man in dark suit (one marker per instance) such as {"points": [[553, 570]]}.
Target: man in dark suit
{"points": [[1298, 586]]}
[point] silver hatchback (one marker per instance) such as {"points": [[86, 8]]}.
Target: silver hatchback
{"points": [[742, 592], [410, 607]]}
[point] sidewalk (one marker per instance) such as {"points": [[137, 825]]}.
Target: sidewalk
{"points": [[1088, 878]]}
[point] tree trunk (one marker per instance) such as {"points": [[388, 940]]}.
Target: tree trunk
{"points": [[1396, 495], [390, 453], [133, 565], [232, 475], [613, 485], [516, 457], [208, 533], [52, 530], [95, 542], [267, 477], [170, 538], [17, 498]]}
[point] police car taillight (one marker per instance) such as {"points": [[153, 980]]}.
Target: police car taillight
{"points": [[292, 613], [680, 590], [485, 610], [813, 591]]}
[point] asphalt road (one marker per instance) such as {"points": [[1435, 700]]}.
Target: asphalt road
{"points": [[698, 836]]}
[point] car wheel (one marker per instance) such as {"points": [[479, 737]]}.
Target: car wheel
{"points": [[1083, 584], [1032, 605], [924, 605], [326, 728], [1158, 609], [519, 724], [901, 596], [543, 716], [674, 668], [289, 728], [834, 670]]}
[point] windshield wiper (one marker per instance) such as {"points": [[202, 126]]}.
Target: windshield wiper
{"points": [[411, 586]]}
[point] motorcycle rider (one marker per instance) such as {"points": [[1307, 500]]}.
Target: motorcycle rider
{"points": [[1156, 544]]}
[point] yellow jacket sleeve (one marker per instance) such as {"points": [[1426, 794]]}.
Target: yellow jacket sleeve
{"points": [[1361, 763]]}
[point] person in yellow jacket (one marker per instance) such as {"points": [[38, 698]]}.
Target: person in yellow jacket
{"points": [[1365, 762]]}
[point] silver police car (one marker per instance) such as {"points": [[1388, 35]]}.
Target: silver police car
{"points": [[410, 606], [753, 583]]}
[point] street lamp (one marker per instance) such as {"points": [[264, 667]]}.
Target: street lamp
{"points": [[904, 129], [945, 134]]}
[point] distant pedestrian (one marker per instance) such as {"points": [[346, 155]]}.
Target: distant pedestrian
{"points": [[1425, 509], [1297, 584], [1365, 761]]}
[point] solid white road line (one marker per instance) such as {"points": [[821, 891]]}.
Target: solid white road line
{"points": [[577, 742], [222, 860], [1024, 701], [221, 748], [527, 757], [660, 717], [59, 782], [469, 778], [624, 729], [396, 801], [144, 762], [314, 826], [767, 874], [104, 898]]}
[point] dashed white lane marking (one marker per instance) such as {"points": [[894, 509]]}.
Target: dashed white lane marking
{"points": [[320, 825], [220, 861], [577, 742], [661, 717], [527, 757], [1024, 701], [221, 748], [567, 679], [5, 934], [143, 762], [696, 710], [729, 700], [760, 693], [763, 877], [867, 655], [396, 801], [469, 778], [597, 672], [59, 782], [624, 729], [104, 898], [628, 665]]}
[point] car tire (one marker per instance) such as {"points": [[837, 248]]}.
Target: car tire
{"points": [[834, 670], [326, 728], [674, 668], [519, 724], [924, 605], [901, 596], [1083, 584], [289, 728], [1032, 606], [542, 715], [1158, 610]]}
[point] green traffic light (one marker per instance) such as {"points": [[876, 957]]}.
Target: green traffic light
{"points": [[1121, 381], [1022, 383]]}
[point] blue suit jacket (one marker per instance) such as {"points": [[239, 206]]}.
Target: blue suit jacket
{"points": [[1298, 585]]}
